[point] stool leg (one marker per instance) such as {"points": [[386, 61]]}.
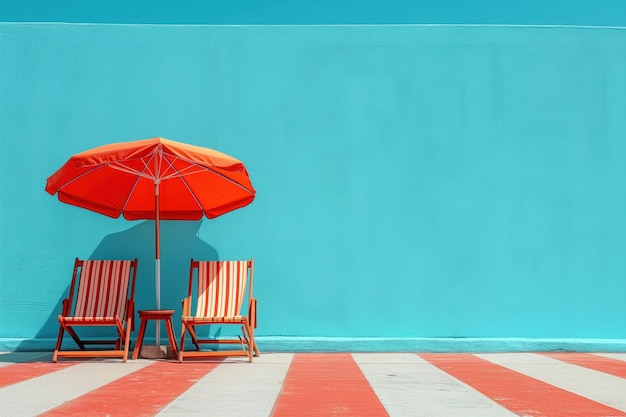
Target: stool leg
{"points": [[170, 335], [142, 330]]}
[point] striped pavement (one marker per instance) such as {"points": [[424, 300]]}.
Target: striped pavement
{"points": [[319, 384]]}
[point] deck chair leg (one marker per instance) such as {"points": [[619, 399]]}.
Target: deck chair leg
{"points": [[254, 347], [58, 346], [253, 344], [181, 347], [194, 337], [250, 340], [122, 339], [127, 338]]}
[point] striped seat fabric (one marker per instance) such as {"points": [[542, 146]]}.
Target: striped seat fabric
{"points": [[221, 289], [103, 289]]}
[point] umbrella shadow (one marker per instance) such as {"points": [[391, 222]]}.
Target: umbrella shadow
{"points": [[179, 243]]}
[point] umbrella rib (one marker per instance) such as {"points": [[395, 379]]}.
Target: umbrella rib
{"points": [[121, 167], [139, 174], [207, 168], [181, 174], [148, 174], [219, 174], [130, 193], [177, 173], [79, 177], [182, 178], [170, 172], [201, 168]]}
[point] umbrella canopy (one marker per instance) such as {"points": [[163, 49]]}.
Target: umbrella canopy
{"points": [[153, 179], [121, 179]]}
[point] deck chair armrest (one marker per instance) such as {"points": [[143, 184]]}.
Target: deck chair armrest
{"points": [[186, 303], [65, 311]]}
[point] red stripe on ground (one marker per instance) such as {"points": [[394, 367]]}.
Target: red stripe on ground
{"points": [[12, 374], [519, 393], [597, 363], [326, 384], [140, 394]]}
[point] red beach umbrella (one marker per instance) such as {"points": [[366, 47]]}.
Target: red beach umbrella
{"points": [[153, 179]]}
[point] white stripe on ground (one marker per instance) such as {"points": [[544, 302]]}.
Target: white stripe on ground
{"points": [[10, 358], [409, 386], [618, 356], [36, 395], [597, 386], [235, 389]]}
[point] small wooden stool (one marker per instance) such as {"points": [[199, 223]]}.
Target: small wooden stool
{"points": [[157, 315]]}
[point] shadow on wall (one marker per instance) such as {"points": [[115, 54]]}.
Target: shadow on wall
{"points": [[179, 243]]}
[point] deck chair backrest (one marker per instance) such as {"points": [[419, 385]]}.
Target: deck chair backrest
{"points": [[221, 287], [103, 288]]}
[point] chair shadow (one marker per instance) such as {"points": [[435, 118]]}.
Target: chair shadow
{"points": [[179, 243]]}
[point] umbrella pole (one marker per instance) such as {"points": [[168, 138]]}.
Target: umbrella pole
{"points": [[157, 266]]}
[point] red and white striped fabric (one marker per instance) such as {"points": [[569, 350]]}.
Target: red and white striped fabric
{"points": [[103, 289], [221, 288]]}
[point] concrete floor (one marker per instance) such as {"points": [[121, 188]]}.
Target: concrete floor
{"points": [[319, 384]]}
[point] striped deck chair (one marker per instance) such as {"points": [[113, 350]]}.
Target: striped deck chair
{"points": [[102, 293], [221, 293]]}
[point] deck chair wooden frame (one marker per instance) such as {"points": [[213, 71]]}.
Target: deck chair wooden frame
{"points": [[102, 293], [221, 291]]}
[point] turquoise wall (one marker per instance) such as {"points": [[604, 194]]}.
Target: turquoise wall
{"points": [[412, 181]]}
